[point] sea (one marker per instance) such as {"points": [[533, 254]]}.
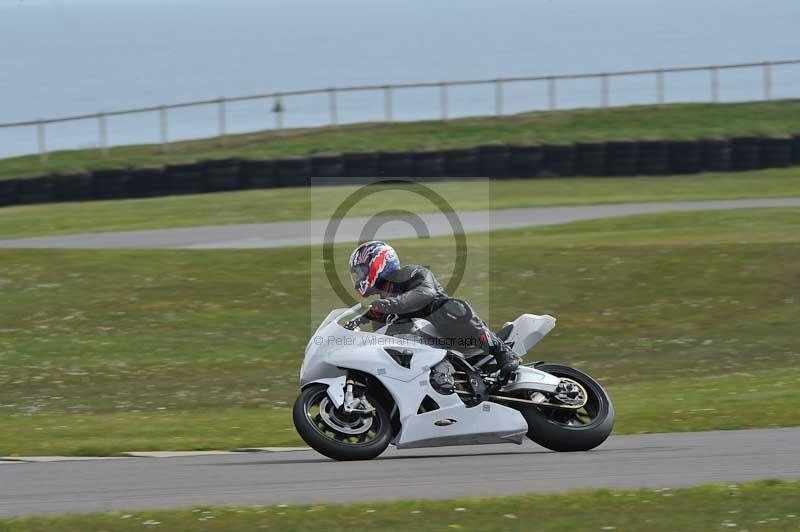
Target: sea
{"points": [[70, 57]]}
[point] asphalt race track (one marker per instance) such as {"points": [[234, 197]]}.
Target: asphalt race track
{"points": [[301, 233], [654, 461]]}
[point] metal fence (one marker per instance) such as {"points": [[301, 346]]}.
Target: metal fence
{"points": [[331, 94]]}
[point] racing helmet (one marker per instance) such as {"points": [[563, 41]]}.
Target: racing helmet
{"points": [[369, 262]]}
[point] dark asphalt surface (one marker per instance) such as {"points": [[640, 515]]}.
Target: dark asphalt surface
{"points": [[301, 233], [653, 461]]}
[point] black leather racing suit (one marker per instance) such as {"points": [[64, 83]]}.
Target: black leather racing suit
{"points": [[413, 292]]}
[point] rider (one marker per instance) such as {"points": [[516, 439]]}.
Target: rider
{"points": [[413, 292]]}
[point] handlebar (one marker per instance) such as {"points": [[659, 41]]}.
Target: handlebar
{"points": [[355, 322]]}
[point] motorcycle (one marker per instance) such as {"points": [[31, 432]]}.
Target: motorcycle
{"points": [[362, 391]]}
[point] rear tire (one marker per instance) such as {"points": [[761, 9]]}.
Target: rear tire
{"points": [[551, 427], [323, 437]]}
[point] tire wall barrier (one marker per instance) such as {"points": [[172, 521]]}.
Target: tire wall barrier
{"points": [[686, 157], [496, 161], [111, 184], [558, 160], [148, 183], [746, 153], [461, 163], [257, 174], [622, 158], [429, 166], [717, 155], [653, 157], [590, 158], [526, 161], [185, 178], [796, 149], [221, 175]]}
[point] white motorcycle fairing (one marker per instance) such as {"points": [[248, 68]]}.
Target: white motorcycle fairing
{"points": [[363, 391], [333, 350]]}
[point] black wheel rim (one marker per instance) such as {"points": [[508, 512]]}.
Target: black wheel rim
{"points": [[336, 425]]}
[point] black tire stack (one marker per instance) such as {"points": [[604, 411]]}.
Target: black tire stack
{"points": [[622, 158], [497, 161], [653, 156], [718, 155], [36, 190], [148, 183], [257, 173], [8, 192], [494, 161], [292, 172], [396, 164], [590, 158], [525, 161], [222, 175], [429, 166], [461, 163], [185, 178], [111, 184], [776, 152], [361, 164], [746, 153], [73, 187], [558, 161], [796, 150], [686, 157], [326, 170]]}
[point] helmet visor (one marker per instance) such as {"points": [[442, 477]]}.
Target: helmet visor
{"points": [[359, 274]]}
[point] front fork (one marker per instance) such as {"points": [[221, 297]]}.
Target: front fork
{"points": [[341, 393], [353, 404]]}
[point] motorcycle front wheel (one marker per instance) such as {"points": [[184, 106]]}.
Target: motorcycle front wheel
{"points": [[567, 430], [336, 434]]}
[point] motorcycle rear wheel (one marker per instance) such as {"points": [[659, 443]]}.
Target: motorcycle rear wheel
{"points": [[335, 434], [566, 430]]}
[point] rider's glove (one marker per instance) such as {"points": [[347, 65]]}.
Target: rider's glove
{"points": [[379, 307]]}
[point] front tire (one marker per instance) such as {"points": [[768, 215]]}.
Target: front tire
{"points": [[565, 430], [337, 435]]}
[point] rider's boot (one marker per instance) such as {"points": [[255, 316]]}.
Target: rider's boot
{"points": [[507, 360]]}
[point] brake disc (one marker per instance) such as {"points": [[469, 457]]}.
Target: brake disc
{"points": [[328, 414]]}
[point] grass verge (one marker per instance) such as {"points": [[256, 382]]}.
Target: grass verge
{"points": [[296, 203], [757, 506], [688, 318], [676, 121]]}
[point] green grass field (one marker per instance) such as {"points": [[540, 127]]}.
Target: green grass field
{"points": [[320, 202], [689, 319], [756, 506], [677, 121]]}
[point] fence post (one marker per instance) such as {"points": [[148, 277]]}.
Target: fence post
{"points": [[221, 120], [332, 106], [41, 137], [767, 81], [715, 84], [443, 100], [102, 134], [164, 127], [277, 109], [660, 86], [387, 103], [604, 91], [551, 93], [498, 97]]}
